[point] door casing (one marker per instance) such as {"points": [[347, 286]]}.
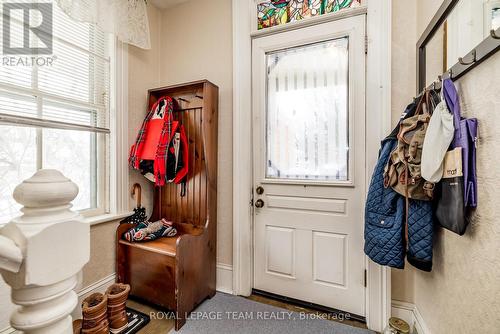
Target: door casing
{"points": [[378, 97]]}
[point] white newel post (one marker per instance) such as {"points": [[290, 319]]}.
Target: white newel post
{"points": [[41, 253]]}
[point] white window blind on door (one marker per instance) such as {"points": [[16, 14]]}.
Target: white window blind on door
{"points": [[57, 114], [307, 112]]}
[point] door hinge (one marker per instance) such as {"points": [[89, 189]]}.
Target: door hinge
{"points": [[366, 44], [366, 279]]}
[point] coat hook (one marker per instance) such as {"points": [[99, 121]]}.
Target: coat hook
{"points": [[439, 80], [182, 99], [494, 34], [199, 96], [461, 60]]}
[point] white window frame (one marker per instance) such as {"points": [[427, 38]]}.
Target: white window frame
{"points": [[115, 176], [112, 165], [118, 143]]}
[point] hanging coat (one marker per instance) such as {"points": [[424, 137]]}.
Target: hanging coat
{"points": [[420, 234], [384, 216], [385, 219], [161, 148]]}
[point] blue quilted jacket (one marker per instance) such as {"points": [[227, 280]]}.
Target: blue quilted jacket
{"points": [[385, 220], [420, 234], [384, 216]]}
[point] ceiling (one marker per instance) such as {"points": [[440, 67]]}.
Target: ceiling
{"points": [[163, 4]]}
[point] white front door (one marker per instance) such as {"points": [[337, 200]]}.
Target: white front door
{"points": [[309, 163]]}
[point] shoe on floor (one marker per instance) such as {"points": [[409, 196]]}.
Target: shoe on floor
{"points": [[94, 311], [117, 295]]}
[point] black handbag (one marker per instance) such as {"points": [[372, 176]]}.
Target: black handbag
{"points": [[450, 208]]}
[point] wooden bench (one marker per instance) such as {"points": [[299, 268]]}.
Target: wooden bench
{"points": [[178, 273]]}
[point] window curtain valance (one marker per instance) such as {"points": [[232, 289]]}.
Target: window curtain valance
{"points": [[127, 19]]}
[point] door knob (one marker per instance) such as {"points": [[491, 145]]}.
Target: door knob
{"points": [[259, 203], [259, 190]]}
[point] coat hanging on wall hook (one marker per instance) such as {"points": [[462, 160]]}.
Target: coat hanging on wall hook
{"points": [[474, 59]]}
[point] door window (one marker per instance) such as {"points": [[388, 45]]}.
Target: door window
{"points": [[307, 121]]}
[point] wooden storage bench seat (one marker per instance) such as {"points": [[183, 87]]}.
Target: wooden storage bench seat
{"points": [[178, 273]]}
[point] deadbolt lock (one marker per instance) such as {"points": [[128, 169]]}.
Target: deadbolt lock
{"points": [[259, 203], [259, 190]]}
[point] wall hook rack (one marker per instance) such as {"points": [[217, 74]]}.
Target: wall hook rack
{"points": [[474, 59], [480, 53]]}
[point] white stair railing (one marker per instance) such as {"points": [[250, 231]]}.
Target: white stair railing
{"points": [[42, 252]]}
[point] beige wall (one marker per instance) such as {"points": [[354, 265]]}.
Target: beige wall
{"points": [[404, 38], [102, 253], [144, 73], [461, 294], [196, 43]]}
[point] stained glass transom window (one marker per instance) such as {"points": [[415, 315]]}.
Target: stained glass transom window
{"points": [[275, 12]]}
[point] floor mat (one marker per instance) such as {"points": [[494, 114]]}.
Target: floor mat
{"points": [[136, 321], [227, 314]]}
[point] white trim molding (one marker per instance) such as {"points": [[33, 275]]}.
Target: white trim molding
{"points": [[242, 150], [224, 278], [8, 330], [410, 313], [119, 187], [107, 218], [378, 99], [378, 112]]}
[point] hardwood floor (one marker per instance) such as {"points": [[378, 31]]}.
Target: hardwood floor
{"points": [[155, 326], [295, 308]]}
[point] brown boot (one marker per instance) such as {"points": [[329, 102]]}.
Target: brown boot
{"points": [[95, 321], [117, 297], [77, 326]]}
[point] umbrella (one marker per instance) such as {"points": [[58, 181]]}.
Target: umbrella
{"points": [[139, 215]]}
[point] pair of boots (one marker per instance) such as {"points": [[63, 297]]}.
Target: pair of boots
{"points": [[104, 313]]}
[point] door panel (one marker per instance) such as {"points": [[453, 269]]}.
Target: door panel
{"points": [[309, 158], [307, 204], [280, 245], [329, 269]]}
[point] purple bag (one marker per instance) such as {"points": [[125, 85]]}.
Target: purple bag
{"points": [[466, 138]]}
